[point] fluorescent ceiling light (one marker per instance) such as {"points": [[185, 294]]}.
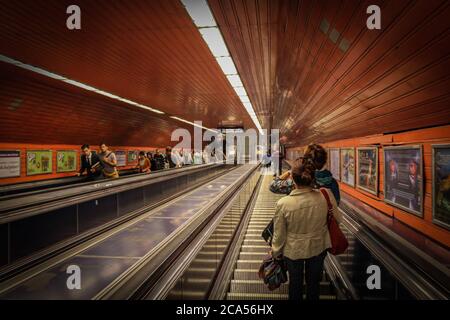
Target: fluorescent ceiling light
{"points": [[192, 123], [240, 91], [73, 82], [214, 40], [227, 65], [204, 20], [244, 99], [200, 13], [235, 80]]}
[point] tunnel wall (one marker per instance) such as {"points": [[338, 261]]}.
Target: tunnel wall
{"points": [[56, 147], [424, 137]]}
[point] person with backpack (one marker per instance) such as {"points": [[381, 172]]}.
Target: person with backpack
{"points": [[322, 176]]}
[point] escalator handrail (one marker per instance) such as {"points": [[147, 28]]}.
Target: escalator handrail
{"points": [[19, 208], [338, 276], [420, 285], [84, 183]]}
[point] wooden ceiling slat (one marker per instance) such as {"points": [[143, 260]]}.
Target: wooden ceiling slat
{"points": [[318, 92], [147, 51]]}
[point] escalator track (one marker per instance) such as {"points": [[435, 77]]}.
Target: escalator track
{"points": [[107, 259]]}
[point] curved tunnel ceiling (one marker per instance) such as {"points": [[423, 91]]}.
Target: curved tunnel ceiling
{"points": [[146, 51], [311, 68], [315, 71]]}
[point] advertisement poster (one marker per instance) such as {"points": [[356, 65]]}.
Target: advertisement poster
{"points": [[132, 157], [403, 184], [121, 157], [66, 161], [348, 166], [441, 185], [367, 174], [335, 164], [39, 162], [9, 163]]}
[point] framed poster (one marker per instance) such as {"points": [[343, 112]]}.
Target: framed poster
{"points": [[441, 185], [39, 162], [403, 178], [121, 157], [348, 166], [335, 166], [9, 163], [66, 161], [133, 157], [367, 169]]}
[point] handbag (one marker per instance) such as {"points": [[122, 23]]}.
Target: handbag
{"points": [[267, 233], [338, 241], [273, 272]]}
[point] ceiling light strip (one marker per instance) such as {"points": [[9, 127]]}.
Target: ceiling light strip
{"points": [[204, 20], [74, 83]]}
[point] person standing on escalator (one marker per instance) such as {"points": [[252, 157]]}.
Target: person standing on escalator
{"points": [[109, 162], [90, 162], [170, 158], [322, 176], [301, 235]]}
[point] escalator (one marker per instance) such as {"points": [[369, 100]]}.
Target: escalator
{"points": [[115, 263], [39, 224], [226, 267]]}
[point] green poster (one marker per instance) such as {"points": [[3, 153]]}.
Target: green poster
{"points": [[39, 162], [66, 161], [132, 157]]}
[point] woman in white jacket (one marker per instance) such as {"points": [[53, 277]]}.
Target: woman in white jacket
{"points": [[301, 234]]}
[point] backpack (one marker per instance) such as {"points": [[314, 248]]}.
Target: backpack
{"points": [[281, 186]]}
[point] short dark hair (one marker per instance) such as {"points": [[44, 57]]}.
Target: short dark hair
{"points": [[85, 146], [102, 144], [142, 153]]}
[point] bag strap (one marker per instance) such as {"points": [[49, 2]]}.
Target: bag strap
{"points": [[327, 198]]}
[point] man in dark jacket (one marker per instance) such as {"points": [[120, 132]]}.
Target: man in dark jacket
{"points": [[90, 162]]}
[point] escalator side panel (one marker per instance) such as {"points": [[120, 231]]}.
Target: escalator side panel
{"points": [[38, 232], [96, 212]]}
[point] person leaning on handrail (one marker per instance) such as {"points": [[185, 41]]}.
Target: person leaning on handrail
{"points": [[90, 163], [301, 234]]}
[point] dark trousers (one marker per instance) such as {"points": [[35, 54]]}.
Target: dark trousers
{"points": [[313, 268]]}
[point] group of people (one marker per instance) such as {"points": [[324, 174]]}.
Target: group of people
{"points": [[103, 165], [300, 232]]}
